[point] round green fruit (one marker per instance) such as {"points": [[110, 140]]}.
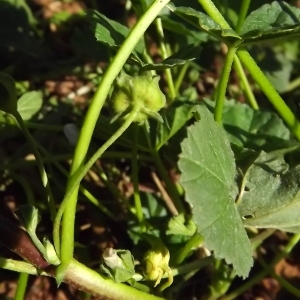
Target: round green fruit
{"points": [[140, 93]]}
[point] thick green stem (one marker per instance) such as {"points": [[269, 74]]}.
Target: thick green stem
{"points": [[223, 82], [82, 277], [21, 286], [214, 13], [90, 122], [268, 89], [39, 162]]}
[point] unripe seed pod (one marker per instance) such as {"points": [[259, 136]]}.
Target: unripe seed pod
{"points": [[141, 93]]}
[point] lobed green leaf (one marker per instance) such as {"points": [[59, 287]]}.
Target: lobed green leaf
{"points": [[271, 21], [271, 198], [208, 177]]}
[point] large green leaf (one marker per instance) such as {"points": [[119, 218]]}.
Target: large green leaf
{"points": [[207, 24], [276, 65], [208, 177], [272, 21], [254, 129], [271, 198]]}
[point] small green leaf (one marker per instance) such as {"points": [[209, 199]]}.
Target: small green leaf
{"points": [[277, 20], [50, 254], [184, 55], [206, 23], [29, 104], [175, 117], [8, 95], [118, 264], [29, 216], [272, 195], [208, 177], [112, 33]]}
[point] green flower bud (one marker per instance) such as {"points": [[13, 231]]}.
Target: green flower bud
{"points": [[141, 93], [156, 262]]}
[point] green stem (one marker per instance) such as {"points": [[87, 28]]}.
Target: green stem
{"points": [[19, 266], [164, 54], [21, 286], [292, 85], [135, 179], [247, 88], [257, 240], [192, 243], [214, 13], [242, 15], [12, 121], [288, 248], [26, 187], [192, 266], [74, 181], [90, 122], [39, 162], [284, 283], [273, 96], [82, 189], [222, 85], [180, 76], [86, 279], [81, 276]]}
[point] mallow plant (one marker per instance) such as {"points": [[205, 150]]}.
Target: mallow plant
{"points": [[236, 184]]}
